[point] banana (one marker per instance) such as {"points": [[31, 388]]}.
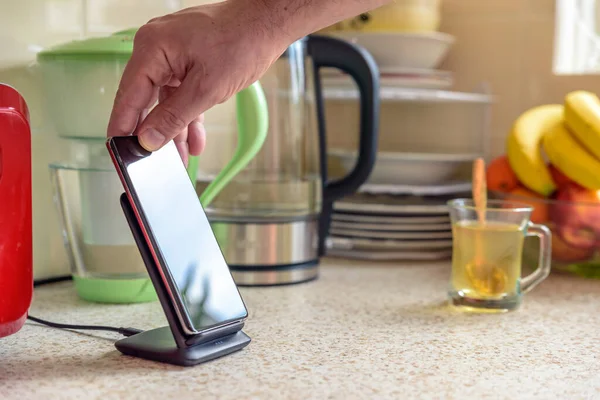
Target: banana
{"points": [[582, 117], [524, 147], [570, 157]]}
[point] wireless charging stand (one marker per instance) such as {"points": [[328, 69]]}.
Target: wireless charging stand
{"points": [[169, 344]]}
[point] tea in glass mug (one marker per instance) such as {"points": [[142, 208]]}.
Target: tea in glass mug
{"points": [[486, 255]]}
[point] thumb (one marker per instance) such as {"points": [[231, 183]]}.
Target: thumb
{"points": [[173, 114]]}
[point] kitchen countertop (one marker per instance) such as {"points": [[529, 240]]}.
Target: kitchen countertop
{"points": [[363, 330]]}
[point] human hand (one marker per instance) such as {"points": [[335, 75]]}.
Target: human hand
{"points": [[190, 61]]}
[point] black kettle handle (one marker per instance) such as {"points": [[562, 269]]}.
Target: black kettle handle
{"points": [[360, 65]]}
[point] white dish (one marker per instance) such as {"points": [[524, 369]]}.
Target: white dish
{"points": [[388, 220], [416, 190], [391, 235], [426, 255], [396, 77], [407, 168], [403, 82], [385, 245], [391, 227], [393, 70], [410, 95], [405, 50], [390, 209], [397, 206]]}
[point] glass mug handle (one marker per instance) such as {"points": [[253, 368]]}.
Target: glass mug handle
{"points": [[545, 258]]}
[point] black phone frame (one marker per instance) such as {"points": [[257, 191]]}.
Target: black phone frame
{"points": [[170, 344]]}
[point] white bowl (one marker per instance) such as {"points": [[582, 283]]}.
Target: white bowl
{"points": [[406, 50], [406, 168]]}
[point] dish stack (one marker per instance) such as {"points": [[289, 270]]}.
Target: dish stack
{"points": [[394, 222], [429, 136]]}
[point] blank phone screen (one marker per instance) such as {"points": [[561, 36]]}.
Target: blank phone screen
{"points": [[182, 233]]}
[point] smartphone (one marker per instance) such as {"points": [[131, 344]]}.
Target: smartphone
{"points": [[191, 266]]}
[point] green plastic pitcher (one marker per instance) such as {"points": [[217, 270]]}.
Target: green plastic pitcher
{"points": [[252, 122], [76, 70]]}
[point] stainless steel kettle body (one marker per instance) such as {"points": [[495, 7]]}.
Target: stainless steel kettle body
{"points": [[272, 220]]}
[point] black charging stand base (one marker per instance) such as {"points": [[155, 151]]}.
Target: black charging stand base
{"points": [[159, 345]]}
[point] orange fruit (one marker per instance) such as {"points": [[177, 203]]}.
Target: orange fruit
{"points": [[500, 176], [541, 213]]}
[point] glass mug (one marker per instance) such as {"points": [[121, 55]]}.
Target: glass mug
{"points": [[486, 257]]}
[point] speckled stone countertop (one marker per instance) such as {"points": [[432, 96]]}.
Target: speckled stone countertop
{"points": [[362, 330]]}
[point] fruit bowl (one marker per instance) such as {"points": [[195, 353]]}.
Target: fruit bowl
{"points": [[552, 161], [574, 219]]}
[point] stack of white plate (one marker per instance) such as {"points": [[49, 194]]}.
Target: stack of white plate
{"points": [[392, 226], [401, 211]]}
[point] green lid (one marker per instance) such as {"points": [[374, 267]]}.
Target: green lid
{"points": [[130, 31], [118, 46]]}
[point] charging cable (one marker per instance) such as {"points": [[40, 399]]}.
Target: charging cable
{"points": [[122, 331]]}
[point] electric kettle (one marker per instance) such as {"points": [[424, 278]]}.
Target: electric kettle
{"points": [[16, 253], [272, 219]]}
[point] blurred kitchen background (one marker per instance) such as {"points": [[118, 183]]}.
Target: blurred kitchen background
{"points": [[505, 56]]}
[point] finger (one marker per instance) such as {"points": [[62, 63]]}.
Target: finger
{"points": [[168, 89], [146, 110], [182, 148], [151, 104], [137, 92], [182, 138], [182, 145], [175, 113], [196, 137], [127, 110]]}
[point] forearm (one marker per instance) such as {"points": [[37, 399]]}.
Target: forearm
{"points": [[293, 19]]}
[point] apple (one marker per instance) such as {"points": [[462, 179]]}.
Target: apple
{"points": [[560, 180], [563, 252], [576, 214]]}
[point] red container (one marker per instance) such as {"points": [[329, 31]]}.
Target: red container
{"points": [[16, 253]]}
